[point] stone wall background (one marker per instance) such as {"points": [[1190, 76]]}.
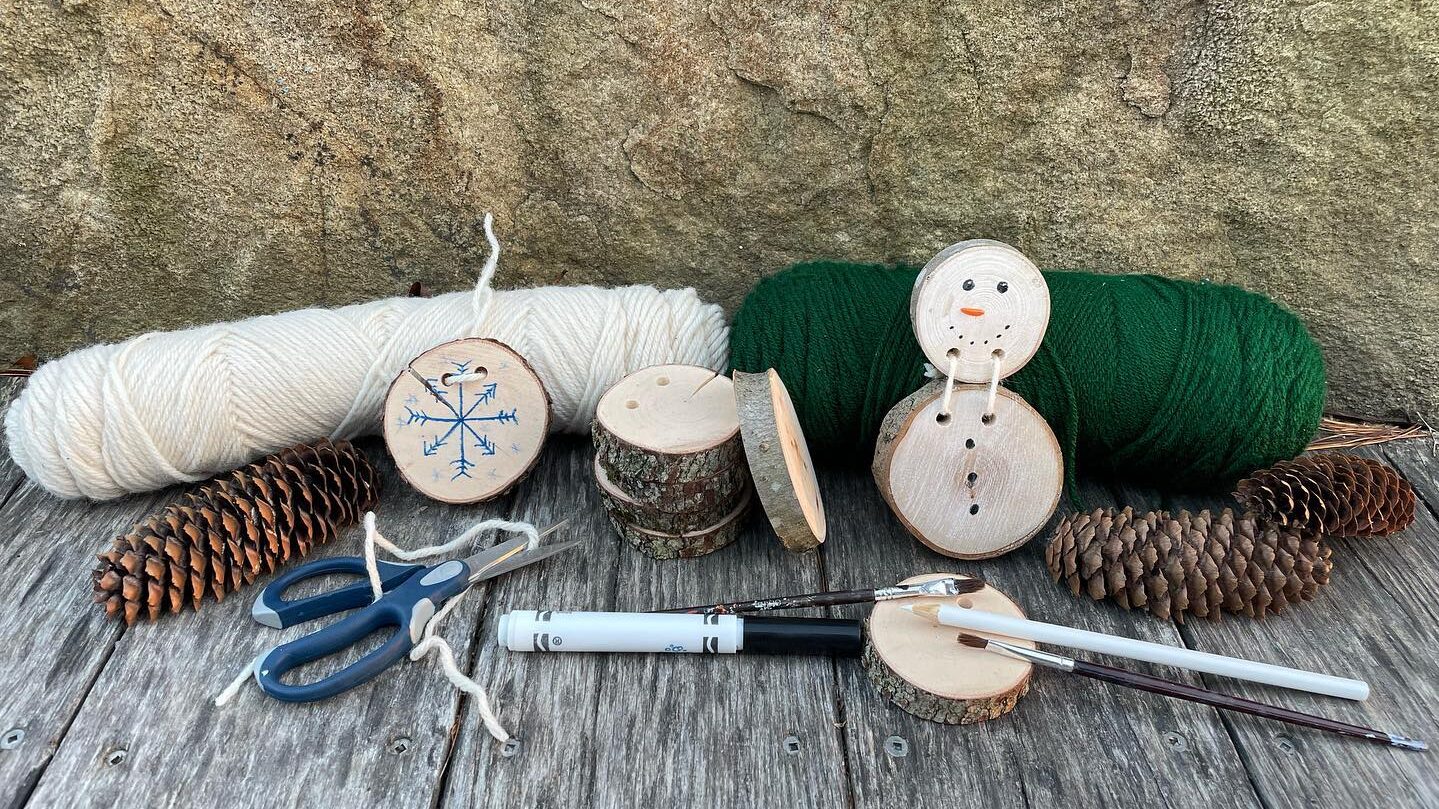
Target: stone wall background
{"points": [[176, 162]]}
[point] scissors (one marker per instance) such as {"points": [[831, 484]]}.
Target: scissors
{"points": [[412, 594]]}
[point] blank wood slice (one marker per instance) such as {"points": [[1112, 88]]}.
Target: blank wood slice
{"points": [[779, 461], [704, 511], [661, 545], [921, 666], [976, 298], [668, 423], [965, 488], [466, 442]]}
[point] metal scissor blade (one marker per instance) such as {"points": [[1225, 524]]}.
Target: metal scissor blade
{"points": [[504, 563]]}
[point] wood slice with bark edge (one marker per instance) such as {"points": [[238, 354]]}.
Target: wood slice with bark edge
{"points": [[921, 666], [682, 497], [518, 442], [707, 511], [1004, 310], [966, 488], [779, 460], [668, 424], [660, 545]]}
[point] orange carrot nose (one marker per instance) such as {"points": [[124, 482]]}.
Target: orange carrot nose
{"points": [[971, 311]]}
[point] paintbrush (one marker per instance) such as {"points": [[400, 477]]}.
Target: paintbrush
{"points": [[1169, 688], [952, 586], [974, 620]]}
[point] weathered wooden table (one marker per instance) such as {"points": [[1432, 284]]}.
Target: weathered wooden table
{"points": [[95, 714]]}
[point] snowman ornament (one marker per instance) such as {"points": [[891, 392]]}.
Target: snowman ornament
{"points": [[969, 467]]}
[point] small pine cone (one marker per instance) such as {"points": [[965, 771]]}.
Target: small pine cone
{"points": [[1332, 494], [1195, 564], [235, 528]]}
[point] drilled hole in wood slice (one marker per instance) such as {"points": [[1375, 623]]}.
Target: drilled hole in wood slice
{"points": [[470, 440], [922, 667], [959, 292], [779, 460], [924, 473]]}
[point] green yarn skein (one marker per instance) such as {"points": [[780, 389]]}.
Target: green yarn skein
{"points": [[1188, 385]]}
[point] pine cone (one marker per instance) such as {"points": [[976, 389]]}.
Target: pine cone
{"points": [[1331, 493], [235, 528], [1194, 564]]}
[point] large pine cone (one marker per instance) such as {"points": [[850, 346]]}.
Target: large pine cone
{"points": [[236, 528], [1193, 564], [1331, 493]]}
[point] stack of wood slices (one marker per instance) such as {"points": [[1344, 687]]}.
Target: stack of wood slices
{"points": [[675, 446], [669, 461]]}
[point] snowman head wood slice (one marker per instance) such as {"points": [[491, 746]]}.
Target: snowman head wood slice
{"points": [[466, 420], [977, 300]]}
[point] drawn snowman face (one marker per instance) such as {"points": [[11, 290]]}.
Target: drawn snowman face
{"points": [[978, 301]]}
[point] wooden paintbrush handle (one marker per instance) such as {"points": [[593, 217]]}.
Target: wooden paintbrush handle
{"points": [[782, 603], [1169, 688]]}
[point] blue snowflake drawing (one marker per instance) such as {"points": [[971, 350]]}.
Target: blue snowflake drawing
{"points": [[465, 431]]}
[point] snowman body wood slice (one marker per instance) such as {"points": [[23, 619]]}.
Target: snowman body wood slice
{"points": [[466, 420], [968, 478], [921, 667]]}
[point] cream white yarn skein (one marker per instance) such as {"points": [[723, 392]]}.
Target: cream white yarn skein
{"points": [[170, 407]]}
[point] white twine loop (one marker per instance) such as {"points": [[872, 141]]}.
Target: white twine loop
{"points": [[997, 360], [994, 375]]}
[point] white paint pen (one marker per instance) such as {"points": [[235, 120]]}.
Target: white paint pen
{"points": [[555, 631]]}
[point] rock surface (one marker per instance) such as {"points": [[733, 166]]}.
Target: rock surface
{"points": [[178, 162]]}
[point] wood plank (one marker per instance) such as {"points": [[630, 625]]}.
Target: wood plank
{"points": [[1068, 742], [59, 640], [1364, 624], [384, 743], [658, 730]]}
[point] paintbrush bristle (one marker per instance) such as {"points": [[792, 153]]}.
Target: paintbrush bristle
{"points": [[974, 641], [963, 587]]}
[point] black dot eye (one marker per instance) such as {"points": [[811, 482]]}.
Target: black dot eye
{"points": [[968, 284], [1003, 287]]}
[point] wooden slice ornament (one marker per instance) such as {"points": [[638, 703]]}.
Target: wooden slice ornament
{"points": [[779, 460], [967, 487], [668, 424], [921, 667], [466, 420], [976, 298]]}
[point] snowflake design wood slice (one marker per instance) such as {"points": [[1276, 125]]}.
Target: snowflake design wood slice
{"points": [[466, 420]]}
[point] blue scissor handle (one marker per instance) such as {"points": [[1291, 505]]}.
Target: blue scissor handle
{"points": [[407, 608], [271, 609]]}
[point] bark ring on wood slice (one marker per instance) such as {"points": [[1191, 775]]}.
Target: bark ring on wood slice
{"points": [[674, 514], [687, 545], [975, 300], [667, 424], [922, 667], [469, 440], [965, 486], [779, 460]]}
